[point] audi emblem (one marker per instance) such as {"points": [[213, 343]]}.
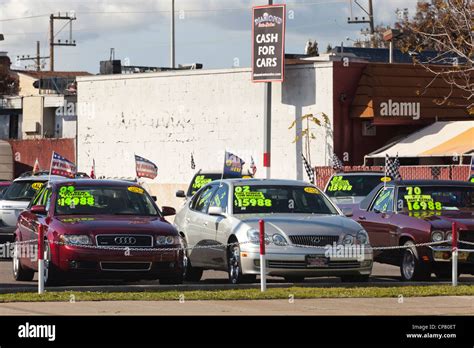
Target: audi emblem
{"points": [[125, 240]]}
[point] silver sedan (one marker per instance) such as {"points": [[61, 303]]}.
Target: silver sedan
{"points": [[306, 234]]}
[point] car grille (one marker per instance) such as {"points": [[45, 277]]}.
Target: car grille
{"points": [[302, 265], [467, 236], [121, 240], [125, 266], [314, 240]]}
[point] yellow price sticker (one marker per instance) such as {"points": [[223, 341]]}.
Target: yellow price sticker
{"points": [[36, 185], [312, 190], [385, 179], [135, 189]]}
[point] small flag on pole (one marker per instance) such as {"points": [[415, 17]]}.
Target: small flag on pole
{"points": [[337, 164], [253, 167], [36, 166], [93, 170], [62, 166], [145, 168], [392, 167], [233, 165], [193, 164], [309, 170]]}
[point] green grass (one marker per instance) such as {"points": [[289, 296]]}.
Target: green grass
{"points": [[245, 294]]}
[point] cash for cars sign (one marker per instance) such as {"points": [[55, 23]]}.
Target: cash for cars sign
{"points": [[268, 35]]}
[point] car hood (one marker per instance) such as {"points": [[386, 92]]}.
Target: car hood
{"points": [[464, 219], [302, 224], [113, 224]]}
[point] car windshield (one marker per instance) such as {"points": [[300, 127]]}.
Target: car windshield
{"points": [[280, 199], [22, 190], [96, 200], [432, 198], [352, 185]]}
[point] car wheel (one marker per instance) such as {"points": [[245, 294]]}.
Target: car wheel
{"points": [[411, 268], [294, 279], [51, 274], [19, 272], [192, 274], [235, 267], [355, 278]]}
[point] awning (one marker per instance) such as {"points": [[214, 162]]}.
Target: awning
{"points": [[441, 139]]}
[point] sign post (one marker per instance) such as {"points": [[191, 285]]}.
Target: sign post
{"points": [[454, 255], [40, 259], [268, 61], [263, 261]]}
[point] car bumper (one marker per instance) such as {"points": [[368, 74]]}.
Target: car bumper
{"points": [[443, 254], [300, 263], [7, 234], [80, 260]]}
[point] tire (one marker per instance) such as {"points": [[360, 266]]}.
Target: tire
{"points": [[191, 274], [52, 276], [234, 267], [294, 279], [355, 278], [176, 280], [411, 268], [20, 273]]}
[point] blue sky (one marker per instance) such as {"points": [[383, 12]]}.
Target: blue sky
{"points": [[213, 32]]}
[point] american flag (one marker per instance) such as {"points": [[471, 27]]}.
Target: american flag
{"points": [[193, 164], [36, 166], [93, 169], [145, 168], [253, 167], [392, 168], [309, 169], [337, 164], [62, 166]]}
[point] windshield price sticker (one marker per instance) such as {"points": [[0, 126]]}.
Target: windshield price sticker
{"points": [[70, 197], [135, 189], [417, 201], [245, 198], [36, 185], [312, 190], [200, 181], [385, 179], [339, 184]]}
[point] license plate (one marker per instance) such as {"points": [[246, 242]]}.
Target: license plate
{"points": [[316, 261]]}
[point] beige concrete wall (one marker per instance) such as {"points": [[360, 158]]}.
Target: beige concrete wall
{"points": [[32, 114], [26, 85]]}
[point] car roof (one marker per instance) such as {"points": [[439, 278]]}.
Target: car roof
{"points": [[249, 181], [94, 182], [429, 182], [360, 173], [39, 178]]}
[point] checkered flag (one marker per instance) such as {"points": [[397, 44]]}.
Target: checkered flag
{"points": [[392, 167], [309, 170], [193, 164], [337, 164]]}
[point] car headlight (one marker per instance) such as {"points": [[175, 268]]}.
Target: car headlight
{"points": [[76, 239], [279, 240], [348, 239], [167, 240], [362, 237], [449, 236], [437, 236], [254, 236]]}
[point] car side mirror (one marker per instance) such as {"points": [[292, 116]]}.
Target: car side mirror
{"points": [[154, 198], [180, 194], [38, 209], [347, 212], [216, 211], [167, 211]]}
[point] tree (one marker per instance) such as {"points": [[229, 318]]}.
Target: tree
{"points": [[8, 82], [445, 26]]}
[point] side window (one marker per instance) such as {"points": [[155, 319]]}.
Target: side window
{"points": [[38, 197], [383, 201], [46, 199], [202, 200], [221, 198]]}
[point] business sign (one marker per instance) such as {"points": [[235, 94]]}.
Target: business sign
{"points": [[268, 43]]}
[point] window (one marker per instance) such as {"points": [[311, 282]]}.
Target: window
{"points": [[384, 200], [202, 200], [220, 199]]}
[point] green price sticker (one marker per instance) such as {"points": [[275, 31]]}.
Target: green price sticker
{"points": [[244, 197], [68, 196], [339, 184], [418, 201]]}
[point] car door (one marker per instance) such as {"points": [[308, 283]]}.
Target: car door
{"points": [[377, 219], [197, 231], [220, 226]]}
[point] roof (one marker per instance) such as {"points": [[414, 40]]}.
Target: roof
{"points": [[39, 178], [267, 182], [51, 74], [429, 182], [94, 182], [361, 172], [441, 139]]}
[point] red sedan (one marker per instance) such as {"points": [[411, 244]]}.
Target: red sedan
{"points": [[98, 229]]}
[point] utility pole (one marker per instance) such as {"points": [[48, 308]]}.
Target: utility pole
{"points": [[36, 59], [52, 43], [357, 20], [173, 62]]}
